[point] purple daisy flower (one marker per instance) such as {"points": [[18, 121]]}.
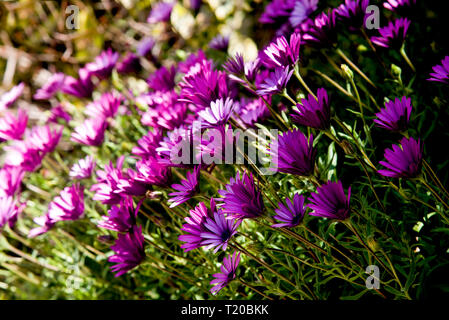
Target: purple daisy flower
{"points": [[219, 43], [107, 190], [396, 115], [120, 219], [330, 201], [321, 32], [146, 146], [228, 270], [13, 126], [276, 81], [129, 64], [145, 46], [49, 89], [399, 6], [10, 180], [187, 189], [83, 168], [291, 214], [171, 148], [58, 112], [403, 161], [242, 198], [69, 205], [103, 64], [441, 72], [251, 112], [282, 53], [105, 107], [160, 12], [166, 117], [9, 211], [91, 132], [292, 153], [217, 115], [302, 10], [45, 138], [277, 11], [45, 224], [312, 112], [81, 87], [129, 251], [235, 65], [151, 171], [353, 12], [163, 79], [195, 225], [22, 154], [219, 230], [9, 97], [393, 35]]}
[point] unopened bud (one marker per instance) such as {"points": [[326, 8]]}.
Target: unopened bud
{"points": [[347, 72], [373, 244], [396, 71]]}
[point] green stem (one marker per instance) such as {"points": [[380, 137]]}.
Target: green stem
{"points": [[406, 58], [360, 72], [303, 83]]}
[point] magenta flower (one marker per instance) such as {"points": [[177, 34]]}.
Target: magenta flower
{"points": [[302, 10], [195, 225], [107, 190], [146, 146], [276, 81], [399, 6], [58, 112], [219, 231], [404, 161], [24, 155], [51, 87], [228, 270], [105, 107], [330, 201], [121, 218], [441, 72], [396, 115], [217, 115], [172, 148], [219, 43], [321, 32], [45, 138], [312, 112], [242, 198], [91, 132], [252, 112], [282, 53], [393, 35], [235, 65], [353, 13], [293, 153], [129, 64], [129, 251], [83, 168], [160, 12], [145, 46], [12, 127], [163, 79], [9, 211], [9, 97], [277, 11], [45, 224], [10, 180], [151, 171], [81, 87], [69, 205], [186, 190], [167, 117], [103, 64], [291, 214]]}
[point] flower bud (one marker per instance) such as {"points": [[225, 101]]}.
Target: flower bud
{"points": [[347, 72]]}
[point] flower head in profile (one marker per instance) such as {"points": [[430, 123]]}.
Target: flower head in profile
{"points": [[441, 72], [145, 46], [293, 153], [51, 87], [103, 64], [219, 43], [24, 155], [162, 79], [129, 64], [187, 189], [9, 211], [152, 172], [81, 87], [58, 112], [121, 218], [393, 35], [218, 114], [396, 115], [402, 7], [69, 205], [45, 138], [248, 113], [242, 198], [129, 251], [228, 271], [107, 189], [83, 168], [312, 112], [291, 214], [160, 12], [90, 132], [13, 126], [320, 32], [146, 146], [10, 180], [277, 11], [282, 53], [330, 201], [9, 97], [45, 224], [105, 107], [302, 10], [276, 81], [353, 13], [404, 161]]}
